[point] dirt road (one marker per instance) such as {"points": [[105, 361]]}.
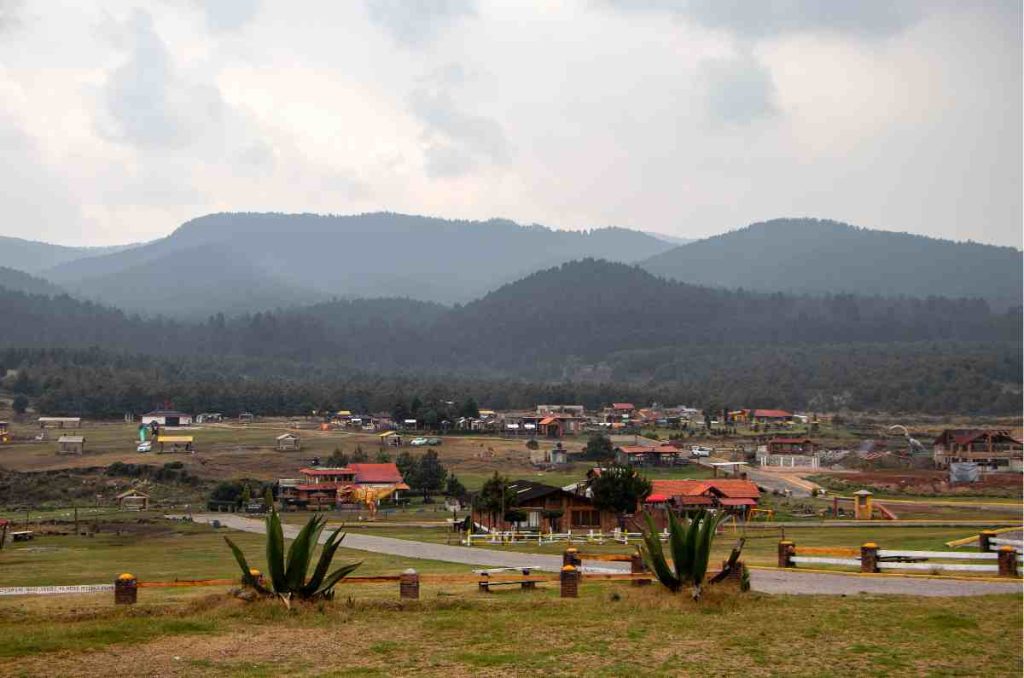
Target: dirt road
{"points": [[767, 580]]}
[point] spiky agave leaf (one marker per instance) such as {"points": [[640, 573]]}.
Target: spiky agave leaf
{"points": [[324, 564], [702, 554], [731, 563], [299, 554], [654, 556], [244, 565], [332, 579], [682, 556], [693, 541], [275, 553]]}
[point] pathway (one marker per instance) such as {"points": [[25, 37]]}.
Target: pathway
{"points": [[768, 580]]}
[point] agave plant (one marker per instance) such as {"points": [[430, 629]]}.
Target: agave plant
{"points": [[690, 543], [288, 575]]}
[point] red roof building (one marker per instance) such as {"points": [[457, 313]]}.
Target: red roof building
{"points": [[728, 493]]}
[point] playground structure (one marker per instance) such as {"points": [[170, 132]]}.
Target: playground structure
{"points": [[5, 434]]}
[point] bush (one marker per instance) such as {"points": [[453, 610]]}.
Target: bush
{"points": [[532, 444]]}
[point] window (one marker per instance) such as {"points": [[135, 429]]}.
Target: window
{"points": [[586, 518]]}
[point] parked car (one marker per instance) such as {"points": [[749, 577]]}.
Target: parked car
{"points": [[699, 451], [145, 446], [419, 442], [433, 441]]}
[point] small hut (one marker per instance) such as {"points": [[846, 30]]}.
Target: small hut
{"points": [[71, 445], [246, 418], [133, 500], [288, 441]]}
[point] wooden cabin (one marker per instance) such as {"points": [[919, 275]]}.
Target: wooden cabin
{"points": [[288, 441], [71, 445]]}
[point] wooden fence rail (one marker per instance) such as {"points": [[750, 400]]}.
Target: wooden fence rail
{"points": [[1004, 562]]}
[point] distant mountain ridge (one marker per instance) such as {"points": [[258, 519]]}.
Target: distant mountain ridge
{"points": [[23, 282], [317, 257], [815, 256], [33, 256]]}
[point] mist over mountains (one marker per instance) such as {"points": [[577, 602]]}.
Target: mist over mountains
{"points": [[814, 256], [242, 262]]}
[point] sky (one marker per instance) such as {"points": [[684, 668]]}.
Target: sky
{"points": [[121, 120]]}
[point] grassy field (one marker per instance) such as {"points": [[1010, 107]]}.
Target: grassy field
{"points": [[611, 629]]}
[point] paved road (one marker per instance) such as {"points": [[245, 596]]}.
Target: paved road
{"points": [[767, 580]]}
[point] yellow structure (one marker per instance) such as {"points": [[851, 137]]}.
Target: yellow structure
{"points": [[862, 505], [369, 497], [5, 434]]}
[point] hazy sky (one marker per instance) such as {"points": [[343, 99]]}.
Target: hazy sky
{"points": [[121, 120]]}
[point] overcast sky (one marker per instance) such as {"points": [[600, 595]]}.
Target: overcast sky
{"points": [[121, 120]]}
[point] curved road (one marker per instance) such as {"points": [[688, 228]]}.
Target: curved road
{"points": [[768, 580]]}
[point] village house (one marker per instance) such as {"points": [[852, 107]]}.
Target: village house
{"points": [[650, 455], [733, 495], [791, 446], [169, 418], [557, 425], [70, 444], [762, 416], [551, 509], [996, 449], [288, 441], [320, 488], [619, 413], [549, 457]]}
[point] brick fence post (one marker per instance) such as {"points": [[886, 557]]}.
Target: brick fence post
{"points": [[126, 589], [571, 557], [636, 566], [409, 585], [869, 557], [570, 580], [1007, 561], [985, 540], [786, 551]]}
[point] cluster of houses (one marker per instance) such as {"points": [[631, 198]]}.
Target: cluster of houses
{"points": [[559, 509], [321, 488]]}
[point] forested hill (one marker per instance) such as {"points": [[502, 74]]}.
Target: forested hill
{"points": [[812, 256], [592, 320], [34, 256], [276, 257], [20, 281]]}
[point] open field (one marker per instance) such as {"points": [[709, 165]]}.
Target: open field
{"points": [[612, 629]]}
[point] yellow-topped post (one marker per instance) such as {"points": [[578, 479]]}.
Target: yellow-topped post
{"points": [[126, 589], [869, 557]]}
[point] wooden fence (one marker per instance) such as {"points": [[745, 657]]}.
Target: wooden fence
{"points": [[869, 558]]}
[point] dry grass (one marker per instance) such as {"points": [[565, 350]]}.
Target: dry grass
{"points": [[612, 629]]}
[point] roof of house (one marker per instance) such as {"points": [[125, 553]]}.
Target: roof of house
{"points": [[346, 470], [968, 436], [623, 406], [725, 501], [285, 436], [547, 421], [648, 449], [71, 439], [132, 493], [734, 488], [166, 413], [376, 473], [528, 490], [772, 414], [679, 488], [791, 441]]}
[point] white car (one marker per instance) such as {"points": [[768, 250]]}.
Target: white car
{"points": [[698, 451], [145, 446], [418, 442]]}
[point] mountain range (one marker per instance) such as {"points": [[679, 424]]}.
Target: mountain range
{"points": [[814, 256], [242, 262], [583, 321]]}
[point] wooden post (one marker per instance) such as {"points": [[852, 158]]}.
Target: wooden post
{"points": [[636, 566], [126, 589], [571, 556], [786, 551], [869, 557], [1007, 561], [409, 585], [570, 578], [985, 540]]}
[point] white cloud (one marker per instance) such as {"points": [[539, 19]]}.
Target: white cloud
{"points": [[688, 118]]}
